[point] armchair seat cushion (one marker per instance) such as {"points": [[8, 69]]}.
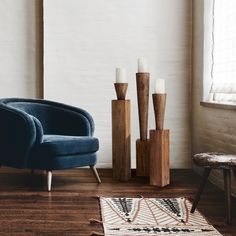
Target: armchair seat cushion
{"points": [[62, 145]]}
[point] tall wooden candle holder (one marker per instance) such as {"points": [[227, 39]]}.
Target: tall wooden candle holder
{"points": [[159, 145], [142, 144], [121, 143]]}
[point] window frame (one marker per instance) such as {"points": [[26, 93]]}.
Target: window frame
{"points": [[207, 50]]}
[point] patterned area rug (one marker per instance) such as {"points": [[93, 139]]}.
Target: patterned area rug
{"points": [[152, 216]]}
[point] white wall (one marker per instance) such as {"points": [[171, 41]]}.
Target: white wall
{"points": [[85, 40], [21, 48], [213, 129]]}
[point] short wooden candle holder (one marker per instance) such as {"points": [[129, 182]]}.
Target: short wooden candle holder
{"points": [[159, 145], [159, 158], [121, 141]]}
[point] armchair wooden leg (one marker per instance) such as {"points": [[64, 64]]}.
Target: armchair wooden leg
{"points": [[49, 178], [227, 183], [94, 170], [206, 174]]}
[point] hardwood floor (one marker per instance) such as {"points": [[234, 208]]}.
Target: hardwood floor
{"points": [[26, 208]]}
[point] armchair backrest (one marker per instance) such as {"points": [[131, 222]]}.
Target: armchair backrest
{"points": [[55, 118]]}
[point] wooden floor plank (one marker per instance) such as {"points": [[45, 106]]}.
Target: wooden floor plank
{"points": [[26, 208]]}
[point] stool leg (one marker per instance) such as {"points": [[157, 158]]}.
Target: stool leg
{"points": [[234, 171], [206, 174], [227, 183]]}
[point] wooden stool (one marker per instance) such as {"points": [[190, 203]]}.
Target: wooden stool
{"points": [[213, 160]]}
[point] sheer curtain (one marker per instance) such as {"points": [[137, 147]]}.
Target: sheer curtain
{"points": [[223, 68]]}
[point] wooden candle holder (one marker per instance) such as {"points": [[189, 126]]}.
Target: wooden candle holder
{"points": [[142, 144], [142, 80], [159, 158], [159, 104], [142, 157], [121, 143], [121, 89], [159, 145]]}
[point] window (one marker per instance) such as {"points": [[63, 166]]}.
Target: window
{"points": [[223, 51]]}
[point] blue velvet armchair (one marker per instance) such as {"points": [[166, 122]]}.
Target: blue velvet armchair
{"points": [[46, 135]]}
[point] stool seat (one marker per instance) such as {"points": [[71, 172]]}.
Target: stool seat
{"points": [[215, 160]]}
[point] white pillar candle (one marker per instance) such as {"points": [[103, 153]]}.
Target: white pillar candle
{"points": [[159, 86], [121, 75], [142, 65]]}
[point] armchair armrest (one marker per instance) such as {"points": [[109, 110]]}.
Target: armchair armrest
{"points": [[17, 136]]}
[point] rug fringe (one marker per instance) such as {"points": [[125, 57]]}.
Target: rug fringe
{"points": [[95, 221], [96, 234]]}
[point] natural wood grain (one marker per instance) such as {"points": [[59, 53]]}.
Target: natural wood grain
{"points": [[121, 150], [142, 81], [142, 157], [159, 105], [159, 158], [28, 209], [121, 89]]}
